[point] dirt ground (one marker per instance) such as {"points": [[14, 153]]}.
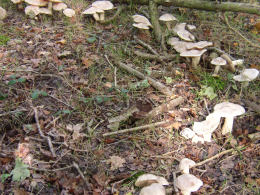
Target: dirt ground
{"points": [[60, 86]]}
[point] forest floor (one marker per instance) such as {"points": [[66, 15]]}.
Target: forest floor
{"points": [[59, 75]]}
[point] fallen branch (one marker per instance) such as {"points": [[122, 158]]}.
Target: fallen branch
{"points": [[165, 107], [147, 46], [136, 128], [76, 166], [47, 138], [154, 57], [201, 5], [118, 12], [156, 84]]}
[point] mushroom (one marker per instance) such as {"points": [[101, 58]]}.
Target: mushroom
{"points": [[185, 165], [103, 5], [188, 183], [207, 127], [219, 61], [147, 179], [59, 6], [187, 133], [196, 139], [39, 3], [46, 11], [69, 12], [143, 27], [168, 19], [93, 11], [153, 189], [247, 75], [183, 33], [191, 27], [141, 19], [19, 3], [2, 13], [32, 10], [50, 4], [229, 111], [199, 45], [195, 56]]}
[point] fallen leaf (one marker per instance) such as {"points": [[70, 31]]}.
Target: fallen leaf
{"points": [[116, 162], [87, 62]]}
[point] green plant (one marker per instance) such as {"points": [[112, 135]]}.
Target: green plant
{"points": [[36, 93], [19, 173], [15, 80], [217, 83], [4, 39]]}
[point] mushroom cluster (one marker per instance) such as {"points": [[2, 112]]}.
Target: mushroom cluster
{"points": [[187, 182], [187, 48], [151, 184], [202, 131], [98, 8], [36, 7]]}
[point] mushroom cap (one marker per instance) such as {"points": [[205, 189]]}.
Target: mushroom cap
{"points": [[45, 11], [247, 75], [17, 1], [69, 12], [171, 41], [92, 10], [141, 19], [193, 53], [56, 1], [228, 109], [2, 13], [32, 10], [199, 45], [183, 33], [147, 179], [191, 27], [188, 182], [37, 2], [104, 5], [59, 6], [141, 26], [186, 163], [167, 17], [153, 189], [196, 139], [219, 61]]}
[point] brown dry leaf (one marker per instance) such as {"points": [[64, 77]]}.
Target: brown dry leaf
{"points": [[100, 178], [116, 162], [19, 192], [87, 62], [22, 150], [76, 130], [62, 42]]}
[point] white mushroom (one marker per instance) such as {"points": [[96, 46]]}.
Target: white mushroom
{"points": [[93, 11], [191, 27], [59, 6], [188, 183], [229, 111], [147, 179], [37, 2], [2, 13], [196, 139], [219, 61], [247, 75], [185, 165], [199, 45], [207, 127], [168, 19], [46, 11], [195, 55], [32, 11], [69, 12], [141, 19], [183, 33], [103, 5], [153, 189]]}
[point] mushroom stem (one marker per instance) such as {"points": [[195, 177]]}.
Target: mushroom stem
{"points": [[228, 125], [96, 17], [50, 5], [102, 16], [168, 25], [186, 192], [216, 70], [195, 61]]}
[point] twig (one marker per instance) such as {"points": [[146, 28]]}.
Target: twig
{"points": [[136, 128], [156, 84], [62, 102], [50, 170], [47, 138], [154, 57], [236, 31], [76, 166], [147, 46], [12, 112]]}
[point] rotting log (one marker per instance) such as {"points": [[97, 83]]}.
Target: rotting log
{"points": [[201, 5]]}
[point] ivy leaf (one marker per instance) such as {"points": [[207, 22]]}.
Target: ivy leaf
{"points": [[4, 177], [209, 92], [91, 39], [12, 82], [21, 80], [20, 171]]}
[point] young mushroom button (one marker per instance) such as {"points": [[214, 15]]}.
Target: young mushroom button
{"points": [[69, 12], [185, 165], [141, 19], [188, 183], [219, 61], [229, 111], [153, 189], [2, 13], [147, 179]]}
